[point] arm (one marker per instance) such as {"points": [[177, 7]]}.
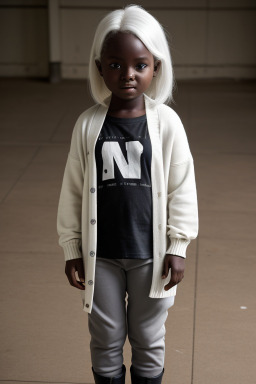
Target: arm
{"points": [[182, 224], [69, 215]]}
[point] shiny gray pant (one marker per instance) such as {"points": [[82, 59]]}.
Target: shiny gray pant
{"points": [[142, 318]]}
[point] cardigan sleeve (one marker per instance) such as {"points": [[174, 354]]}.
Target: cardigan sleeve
{"points": [[70, 202], [182, 221]]}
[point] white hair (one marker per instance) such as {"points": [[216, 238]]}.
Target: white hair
{"points": [[136, 20]]}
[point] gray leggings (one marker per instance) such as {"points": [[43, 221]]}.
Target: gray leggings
{"points": [[142, 320]]}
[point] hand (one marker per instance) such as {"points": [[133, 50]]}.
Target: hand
{"points": [[71, 267], [177, 265]]}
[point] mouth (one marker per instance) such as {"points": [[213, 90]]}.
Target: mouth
{"points": [[128, 87]]}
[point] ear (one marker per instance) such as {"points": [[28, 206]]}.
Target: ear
{"points": [[157, 66], [98, 64]]}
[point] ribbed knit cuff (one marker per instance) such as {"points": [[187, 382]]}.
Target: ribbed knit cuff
{"points": [[178, 247], [72, 250]]}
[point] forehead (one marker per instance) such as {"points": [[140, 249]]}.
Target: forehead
{"points": [[124, 44]]}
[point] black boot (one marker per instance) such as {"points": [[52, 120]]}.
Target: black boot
{"points": [[146, 380], [120, 379]]}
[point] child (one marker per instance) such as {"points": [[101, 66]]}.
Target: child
{"points": [[128, 206]]}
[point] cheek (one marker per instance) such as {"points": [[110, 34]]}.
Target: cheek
{"points": [[148, 78], [110, 77], [110, 81]]}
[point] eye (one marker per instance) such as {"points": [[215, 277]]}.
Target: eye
{"points": [[141, 66], [115, 66]]}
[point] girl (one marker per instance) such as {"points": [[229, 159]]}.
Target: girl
{"points": [[128, 206]]}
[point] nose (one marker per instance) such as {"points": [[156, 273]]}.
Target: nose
{"points": [[128, 75]]}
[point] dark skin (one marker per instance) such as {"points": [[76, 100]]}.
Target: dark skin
{"points": [[128, 69], [176, 263], [73, 266]]}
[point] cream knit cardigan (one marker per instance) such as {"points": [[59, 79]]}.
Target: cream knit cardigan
{"points": [[175, 217]]}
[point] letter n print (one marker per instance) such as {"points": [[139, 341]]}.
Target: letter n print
{"points": [[130, 169]]}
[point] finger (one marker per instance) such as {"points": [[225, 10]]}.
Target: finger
{"points": [[75, 283], [169, 285], [68, 274], [80, 271], [71, 275], [165, 269], [80, 285], [175, 279], [80, 280]]}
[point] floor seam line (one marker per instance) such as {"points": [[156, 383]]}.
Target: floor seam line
{"points": [[57, 127], [194, 310], [42, 381], [20, 176]]}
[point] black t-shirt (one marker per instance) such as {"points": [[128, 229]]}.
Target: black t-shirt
{"points": [[124, 196]]}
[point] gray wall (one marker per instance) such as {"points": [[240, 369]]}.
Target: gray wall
{"points": [[208, 38]]}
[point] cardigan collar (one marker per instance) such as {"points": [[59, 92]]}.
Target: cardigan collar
{"points": [[100, 115]]}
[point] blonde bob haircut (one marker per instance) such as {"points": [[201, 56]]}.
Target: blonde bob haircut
{"points": [[134, 19]]}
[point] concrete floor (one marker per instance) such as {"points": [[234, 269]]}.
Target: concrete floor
{"points": [[211, 337]]}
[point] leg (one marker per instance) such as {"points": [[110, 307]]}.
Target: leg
{"points": [[146, 380], [146, 323], [107, 322], [119, 379]]}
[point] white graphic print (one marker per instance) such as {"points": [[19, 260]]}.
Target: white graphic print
{"points": [[130, 170]]}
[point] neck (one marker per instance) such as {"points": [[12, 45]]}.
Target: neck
{"points": [[127, 108]]}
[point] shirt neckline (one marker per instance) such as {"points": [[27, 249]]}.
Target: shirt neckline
{"points": [[126, 119]]}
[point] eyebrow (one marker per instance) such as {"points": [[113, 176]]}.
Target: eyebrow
{"points": [[120, 58]]}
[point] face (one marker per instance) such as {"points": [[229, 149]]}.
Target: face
{"points": [[127, 66]]}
